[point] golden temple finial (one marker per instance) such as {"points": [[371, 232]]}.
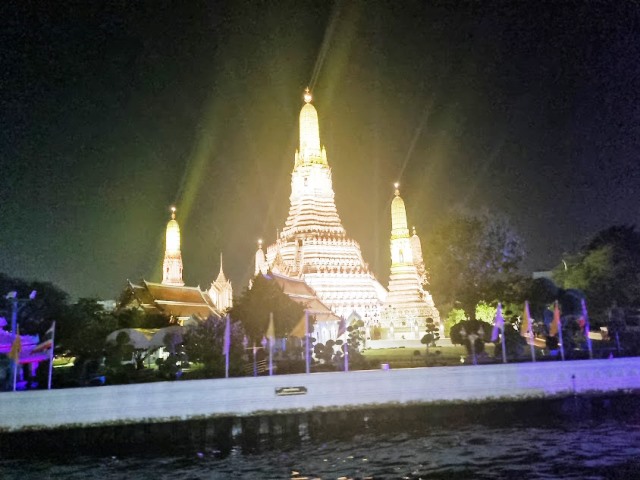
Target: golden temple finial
{"points": [[307, 95], [414, 230], [397, 192], [173, 213], [259, 243]]}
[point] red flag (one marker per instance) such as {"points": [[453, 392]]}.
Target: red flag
{"points": [[555, 324]]}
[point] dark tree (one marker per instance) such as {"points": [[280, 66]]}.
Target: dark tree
{"points": [[606, 269], [204, 343], [467, 331], [255, 304], [34, 316], [469, 255], [432, 336]]}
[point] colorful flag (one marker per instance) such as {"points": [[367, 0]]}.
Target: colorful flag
{"points": [[342, 327], [498, 324], [587, 326], [16, 347], [525, 328], [271, 331], [43, 346], [555, 324], [47, 343], [227, 337]]}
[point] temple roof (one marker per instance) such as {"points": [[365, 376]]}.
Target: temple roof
{"points": [[176, 301], [299, 291]]}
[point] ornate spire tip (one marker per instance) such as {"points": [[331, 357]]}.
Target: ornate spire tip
{"points": [[173, 213], [307, 95], [396, 185]]}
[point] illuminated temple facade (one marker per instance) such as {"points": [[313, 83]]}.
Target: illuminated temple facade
{"points": [[408, 305], [313, 245]]}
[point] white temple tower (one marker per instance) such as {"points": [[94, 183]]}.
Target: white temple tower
{"points": [[172, 265], [408, 305], [313, 244]]}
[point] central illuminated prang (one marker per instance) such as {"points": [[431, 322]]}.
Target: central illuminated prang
{"points": [[313, 244]]}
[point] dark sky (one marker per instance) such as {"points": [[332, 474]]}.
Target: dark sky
{"points": [[111, 112]]}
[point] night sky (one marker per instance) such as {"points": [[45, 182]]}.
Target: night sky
{"points": [[112, 112]]}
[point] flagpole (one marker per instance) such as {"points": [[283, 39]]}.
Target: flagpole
{"points": [[346, 357], [53, 344], [14, 354], [306, 343], [527, 319], [504, 346], [15, 373], [227, 345], [560, 341], [255, 367], [270, 345]]}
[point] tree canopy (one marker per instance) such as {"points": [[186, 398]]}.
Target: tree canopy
{"points": [[468, 255], [606, 269], [255, 304]]}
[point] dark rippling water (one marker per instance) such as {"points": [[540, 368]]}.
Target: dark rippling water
{"points": [[569, 450]]}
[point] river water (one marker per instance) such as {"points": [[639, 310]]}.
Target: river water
{"points": [[606, 448]]}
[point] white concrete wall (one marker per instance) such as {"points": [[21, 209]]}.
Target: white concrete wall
{"points": [[242, 396]]}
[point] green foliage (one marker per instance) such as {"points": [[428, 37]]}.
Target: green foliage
{"points": [[170, 368], [355, 342], [469, 255], [255, 304], [465, 332], [326, 353], [83, 331], [431, 336], [203, 343], [135, 318], [485, 312], [606, 269], [456, 315]]}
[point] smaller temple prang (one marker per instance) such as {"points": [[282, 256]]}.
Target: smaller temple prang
{"points": [[408, 305], [221, 291], [172, 265]]}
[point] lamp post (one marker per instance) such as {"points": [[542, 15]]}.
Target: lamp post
{"points": [[17, 304]]}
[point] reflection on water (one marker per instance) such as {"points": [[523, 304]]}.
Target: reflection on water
{"points": [[570, 450]]}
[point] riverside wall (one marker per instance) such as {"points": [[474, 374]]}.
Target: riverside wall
{"points": [[170, 402]]}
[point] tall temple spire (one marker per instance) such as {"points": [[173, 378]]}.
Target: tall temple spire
{"points": [[309, 132], [313, 245], [221, 277], [172, 265]]}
